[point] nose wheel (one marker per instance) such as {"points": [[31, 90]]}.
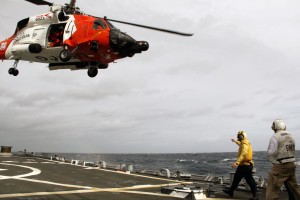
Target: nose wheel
{"points": [[13, 70], [92, 71]]}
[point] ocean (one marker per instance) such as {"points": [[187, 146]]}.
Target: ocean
{"points": [[189, 163]]}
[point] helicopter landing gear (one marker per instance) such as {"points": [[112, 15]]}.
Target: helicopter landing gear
{"points": [[65, 55], [92, 71], [13, 70]]}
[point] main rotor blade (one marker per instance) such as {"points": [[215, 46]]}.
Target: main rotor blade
{"points": [[40, 2], [152, 28]]}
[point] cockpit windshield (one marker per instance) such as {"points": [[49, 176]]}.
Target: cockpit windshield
{"points": [[21, 24]]}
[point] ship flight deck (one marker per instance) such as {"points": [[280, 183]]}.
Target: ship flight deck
{"points": [[34, 178]]}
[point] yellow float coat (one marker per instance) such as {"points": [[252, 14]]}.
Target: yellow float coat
{"points": [[245, 153]]}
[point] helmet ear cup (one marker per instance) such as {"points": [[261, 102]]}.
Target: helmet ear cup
{"points": [[273, 126]]}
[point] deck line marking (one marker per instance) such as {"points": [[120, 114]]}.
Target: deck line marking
{"points": [[53, 183], [43, 193], [4, 177], [147, 193], [35, 171]]}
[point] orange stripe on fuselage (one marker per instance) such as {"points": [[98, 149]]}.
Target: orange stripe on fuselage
{"points": [[3, 47]]}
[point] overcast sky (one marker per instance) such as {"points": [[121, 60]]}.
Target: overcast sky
{"points": [[240, 71]]}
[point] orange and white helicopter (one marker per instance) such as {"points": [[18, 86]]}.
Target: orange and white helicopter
{"points": [[66, 38]]}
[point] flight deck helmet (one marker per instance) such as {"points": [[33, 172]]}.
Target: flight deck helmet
{"points": [[278, 125], [241, 135]]}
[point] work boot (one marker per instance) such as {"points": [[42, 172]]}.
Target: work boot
{"points": [[229, 192], [254, 198]]}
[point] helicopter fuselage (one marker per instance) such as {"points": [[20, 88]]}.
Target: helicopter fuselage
{"points": [[69, 41]]}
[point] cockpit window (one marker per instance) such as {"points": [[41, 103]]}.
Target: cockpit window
{"points": [[99, 24], [21, 24]]}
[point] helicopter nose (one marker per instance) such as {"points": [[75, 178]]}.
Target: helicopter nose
{"points": [[120, 41], [125, 45], [143, 45]]}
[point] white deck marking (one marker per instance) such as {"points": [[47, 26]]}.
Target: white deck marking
{"points": [[47, 163], [146, 193], [31, 160], [35, 171], [63, 163], [91, 168], [53, 183]]}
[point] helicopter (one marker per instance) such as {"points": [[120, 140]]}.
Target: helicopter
{"points": [[67, 38]]}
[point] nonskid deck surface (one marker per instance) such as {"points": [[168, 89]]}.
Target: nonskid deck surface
{"points": [[40, 179]]}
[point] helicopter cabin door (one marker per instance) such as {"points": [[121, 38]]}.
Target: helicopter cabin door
{"points": [[55, 35], [38, 36]]}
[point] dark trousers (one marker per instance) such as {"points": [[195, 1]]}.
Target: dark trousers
{"points": [[244, 171]]}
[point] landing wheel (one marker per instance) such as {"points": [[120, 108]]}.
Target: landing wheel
{"points": [[92, 72], [13, 71], [65, 55]]}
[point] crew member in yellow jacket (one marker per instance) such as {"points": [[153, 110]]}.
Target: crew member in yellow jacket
{"points": [[244, 166]]}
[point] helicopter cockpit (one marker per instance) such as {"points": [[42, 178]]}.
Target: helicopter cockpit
{"points": [[22, 24], [99, 24]]}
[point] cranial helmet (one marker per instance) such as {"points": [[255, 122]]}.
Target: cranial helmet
{"points": [[241, 135], [278, 125]]}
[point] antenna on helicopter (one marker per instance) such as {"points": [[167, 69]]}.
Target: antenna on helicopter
{"points": [[70, 8]]}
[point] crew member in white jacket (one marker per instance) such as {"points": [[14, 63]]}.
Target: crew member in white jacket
{"points": [[281, 153]]}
